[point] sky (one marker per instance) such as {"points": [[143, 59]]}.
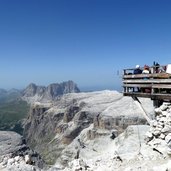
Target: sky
{"points": [[87, 41]]}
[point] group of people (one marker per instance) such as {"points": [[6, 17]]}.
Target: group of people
{"points": [[146, 70], [156, 68], [138, 70]]}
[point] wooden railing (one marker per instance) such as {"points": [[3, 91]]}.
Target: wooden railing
{"points": [[153, 85]]}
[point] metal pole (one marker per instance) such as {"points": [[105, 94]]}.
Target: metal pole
{"points": [[138, 103]]}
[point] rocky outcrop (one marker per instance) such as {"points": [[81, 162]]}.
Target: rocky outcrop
{"points": [[34, 93], [159, 135], [52, 127], [127, 152], [16, 155], [138, 148], [10, 142]]}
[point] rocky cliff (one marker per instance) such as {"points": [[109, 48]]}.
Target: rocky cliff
{"points": [[16, 155], [51, 127], [34, 93], [138, 148], [127, 152]]}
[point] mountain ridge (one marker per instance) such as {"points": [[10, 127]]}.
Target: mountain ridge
{"points": [[34, 92]]}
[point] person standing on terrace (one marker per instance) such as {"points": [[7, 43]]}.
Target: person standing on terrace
{"points": [[137, 70], [146, 69]]}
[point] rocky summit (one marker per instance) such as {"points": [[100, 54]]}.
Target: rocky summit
{"points": [[34, 93], [16, 155], [59, 130]]}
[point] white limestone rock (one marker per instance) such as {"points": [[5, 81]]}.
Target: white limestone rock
{"points": [[161, 124], [9, 142], [158, 118], [153, 123], [27, 159], [126, 152], [11, 146], [163, 107], [166, 104], [5, 161], [167, 128], [156, 132], [10, 161], [164, 113], [169, 151], [149, 134], [17, 158], [163, 119], [168, 138], [158, 111], [162, 136]]}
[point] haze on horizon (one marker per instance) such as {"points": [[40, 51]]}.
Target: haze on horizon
{"points": [[85, 41]]}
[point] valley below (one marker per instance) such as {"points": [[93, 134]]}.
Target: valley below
{"points": [[12, 110]]}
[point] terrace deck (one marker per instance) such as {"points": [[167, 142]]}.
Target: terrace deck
{"points": [[156, 86]]}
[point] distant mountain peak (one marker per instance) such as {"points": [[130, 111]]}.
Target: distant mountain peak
{"points": [[41, 93]]}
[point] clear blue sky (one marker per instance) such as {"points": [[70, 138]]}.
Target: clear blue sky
{"points": [[87, 41]]}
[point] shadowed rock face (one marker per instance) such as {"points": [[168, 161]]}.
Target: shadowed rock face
{"points": [[34, 93], [51, 127]]}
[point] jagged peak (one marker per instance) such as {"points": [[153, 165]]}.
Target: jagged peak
{"points": [[42, 93]]}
